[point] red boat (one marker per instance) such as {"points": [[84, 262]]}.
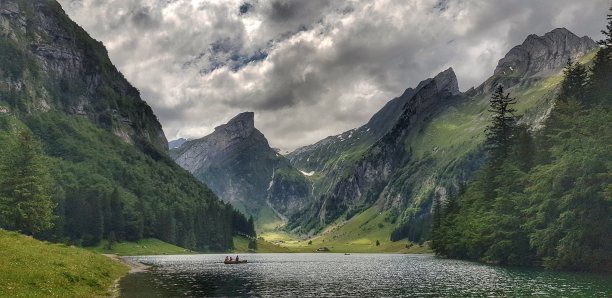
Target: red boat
{"points": [[235, 262]]}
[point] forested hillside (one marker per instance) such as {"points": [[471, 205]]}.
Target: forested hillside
{"points": [[83, 157], [544, 197]]}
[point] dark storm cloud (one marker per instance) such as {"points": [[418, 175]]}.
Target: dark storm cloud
{"points": [[313, 68], [245, 7], [141, 17], [291, 10]]}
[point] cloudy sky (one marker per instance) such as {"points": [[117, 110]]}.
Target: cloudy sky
{"points": [[308, 68]]}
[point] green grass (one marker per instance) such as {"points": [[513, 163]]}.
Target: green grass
{"points": [[266, 219], [241, 245], [32, 268], [357, 235], [149, 246]]}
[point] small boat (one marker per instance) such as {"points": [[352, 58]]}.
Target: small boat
{"points": [[347, 254], [235, 262]]}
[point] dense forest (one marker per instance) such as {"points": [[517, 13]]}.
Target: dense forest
{"points": [[544, 197], [82, 156], [65, 180]]}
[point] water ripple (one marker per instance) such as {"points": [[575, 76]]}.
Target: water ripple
{"points": [[356, 275]]}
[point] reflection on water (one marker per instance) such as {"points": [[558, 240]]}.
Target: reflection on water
{"points": [[356, 275]]}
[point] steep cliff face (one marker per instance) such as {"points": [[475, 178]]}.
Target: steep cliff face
{"points": [[538, 57], [238, 164], [50, 63], [431, 142]]}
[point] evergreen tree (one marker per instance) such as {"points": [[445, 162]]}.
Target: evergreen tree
{"points": [[499, 133], [574, 83], [601, 72], [607, 42], [25, 191], [253, 244]]}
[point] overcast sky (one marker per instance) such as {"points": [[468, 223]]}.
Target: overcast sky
{"points": [[308, 68]]}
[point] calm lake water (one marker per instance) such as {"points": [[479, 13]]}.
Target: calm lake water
{"points": [[355, 275]]}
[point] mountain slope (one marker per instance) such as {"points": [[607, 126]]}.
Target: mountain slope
{"points": [[104, 146], [55, 65], [238, 164], [433, 148]]}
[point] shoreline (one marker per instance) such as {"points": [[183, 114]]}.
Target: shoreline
{"points": [[135, 267]]}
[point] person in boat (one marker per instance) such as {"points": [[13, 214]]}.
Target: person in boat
{"points": [[237, 260], [231, 259], [226, 258]]}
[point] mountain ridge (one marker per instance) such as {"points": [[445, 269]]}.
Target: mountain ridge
{"points": [[401, 186]]}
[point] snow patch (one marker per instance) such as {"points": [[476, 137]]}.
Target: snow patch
{"points": [[307, 173], [271, 181]]}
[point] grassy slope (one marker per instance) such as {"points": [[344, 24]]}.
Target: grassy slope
{"points": [[359, 234], [150, 246], [32, 268], [241, 245]]}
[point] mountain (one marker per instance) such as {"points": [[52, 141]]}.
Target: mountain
{"points": [[102, 144], [425, 143], [543, 197], [73, 74], [176, 143], [237, 163]]}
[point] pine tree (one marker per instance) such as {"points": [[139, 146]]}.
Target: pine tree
{"points": [[601, 71], [25, 192], [574, 84], [499, 133], [607, 42]]}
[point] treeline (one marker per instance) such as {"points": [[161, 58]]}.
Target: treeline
{"points": [[65, 180], [544, 198]]}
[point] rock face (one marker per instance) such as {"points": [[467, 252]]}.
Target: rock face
{"points": [[542, 54], [237, 163], [537, 57], [72, 73], [176, 143]]}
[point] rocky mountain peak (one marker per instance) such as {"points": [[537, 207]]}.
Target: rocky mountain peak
{"points": [[538, 55], [447, 81], [242, 125]]}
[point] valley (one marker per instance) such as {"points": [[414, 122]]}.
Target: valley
{"points": [[443, 185]]}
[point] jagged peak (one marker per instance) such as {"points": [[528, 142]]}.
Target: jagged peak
{"points": [[241, 125], [247, 118], [447, 81], [544, 53]]}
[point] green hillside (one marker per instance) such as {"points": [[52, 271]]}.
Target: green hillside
{"points": [[73, 127], [143, 247], [544, 197], [31, 268]]}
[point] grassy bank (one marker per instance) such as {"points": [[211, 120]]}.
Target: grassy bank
{"points": [[241, 244], [32, 268], [150, 246], [357, 235]]}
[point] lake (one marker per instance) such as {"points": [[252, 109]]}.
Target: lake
{"points": [[355, 275]]}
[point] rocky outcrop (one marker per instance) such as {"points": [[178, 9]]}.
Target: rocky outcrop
{"points": [[55, 65], [237, 163], [538, 55], [176, 143]]}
